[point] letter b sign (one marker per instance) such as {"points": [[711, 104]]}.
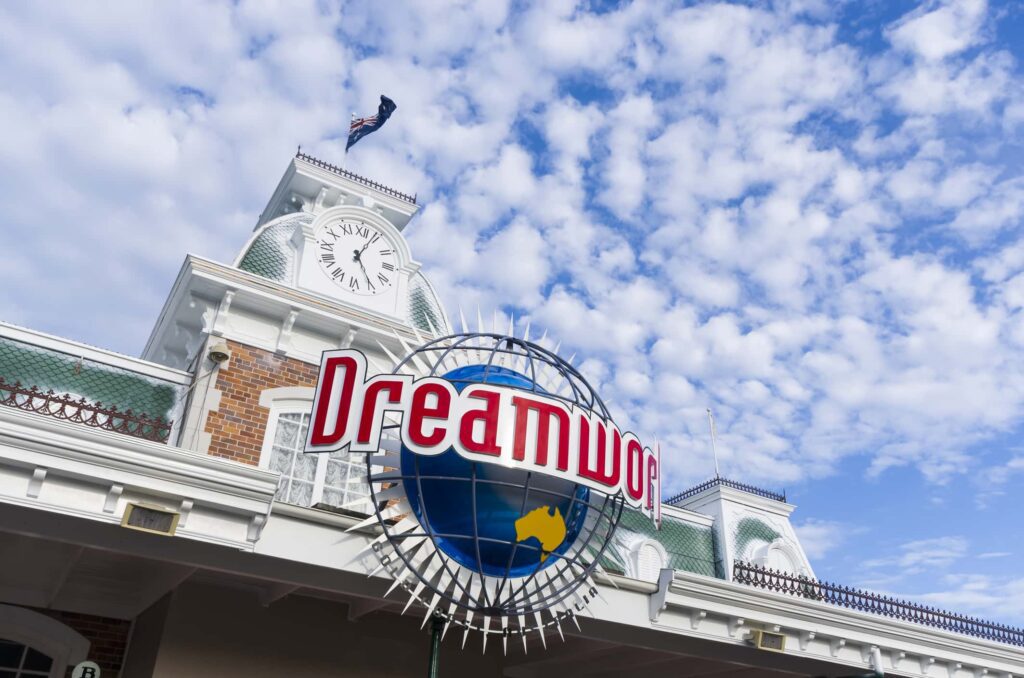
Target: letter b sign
{"points": [[86, 670]]}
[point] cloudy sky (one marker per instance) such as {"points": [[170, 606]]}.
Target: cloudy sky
{"points": [[806, 215]]}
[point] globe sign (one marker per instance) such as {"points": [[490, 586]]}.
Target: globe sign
{"points": [[496, 545]]}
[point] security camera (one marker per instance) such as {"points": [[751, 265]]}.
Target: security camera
{"points": [[219, 352]]}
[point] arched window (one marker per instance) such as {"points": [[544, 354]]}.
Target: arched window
{"points": [[336, 479], [34, 645], [647, 559]]}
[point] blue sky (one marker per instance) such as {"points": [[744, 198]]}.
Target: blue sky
{"points": [[806, 215]]}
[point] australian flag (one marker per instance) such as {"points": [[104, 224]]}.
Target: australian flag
{"points": [[360, 127]]}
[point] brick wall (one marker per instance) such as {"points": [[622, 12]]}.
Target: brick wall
{"points": [[108, 638], [236, 428]]}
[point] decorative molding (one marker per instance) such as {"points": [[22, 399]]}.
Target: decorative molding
{"points": [[284, 335], [184, 511], [657, 599], [835, 645], [35, 483], [220, 322], [735, 624], [113, 494], [805, 638], [696, 617]]}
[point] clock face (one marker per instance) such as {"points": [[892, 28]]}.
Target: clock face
{"points": [[357, 257]]}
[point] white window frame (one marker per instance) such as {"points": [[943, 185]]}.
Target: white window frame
{"points": [[290, 400], [65, 646]]}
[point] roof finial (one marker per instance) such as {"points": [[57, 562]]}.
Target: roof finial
{"points": [[714, 447]]}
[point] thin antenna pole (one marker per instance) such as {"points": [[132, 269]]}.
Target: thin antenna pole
{"points": [[344, 158], [714, 446]]}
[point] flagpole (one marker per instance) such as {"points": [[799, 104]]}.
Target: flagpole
{"points": [[344, 158], [714, 447]]}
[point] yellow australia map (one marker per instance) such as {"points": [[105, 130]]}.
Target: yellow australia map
{"points": [[545, 527]]}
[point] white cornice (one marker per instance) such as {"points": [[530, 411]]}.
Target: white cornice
{"points": [[36, 441], [761, 606], [273, 299]]}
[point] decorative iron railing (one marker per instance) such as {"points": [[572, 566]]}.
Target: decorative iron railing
{"points": [[697, 489], [873, 603], [356, 178], [80, 411]]}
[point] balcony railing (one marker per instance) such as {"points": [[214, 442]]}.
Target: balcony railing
{"points": [[356, 178], [80, 411], [873, 603], [743, 487]]}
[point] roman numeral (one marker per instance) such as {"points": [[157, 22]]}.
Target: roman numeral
{"points": [[369, 285], [386, 253], [338, 274], [388, 266], [362, 231], [382, 278], [327, 258], [353, 284], [332, 234], [374, 239], [346, 229], [327, 246]]}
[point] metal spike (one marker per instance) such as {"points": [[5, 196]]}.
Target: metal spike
{"points": [[511, 324], [480, 321], [465, 325], [540, 628]]}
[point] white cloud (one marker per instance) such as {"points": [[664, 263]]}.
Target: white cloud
{"points": [[716, 205], [820, 537], [939, 30]]}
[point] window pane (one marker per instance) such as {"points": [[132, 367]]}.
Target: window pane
{"points": [[287, 433], [301, 493], [281, 460], [10, 654], [37, 661], [305, 466]]}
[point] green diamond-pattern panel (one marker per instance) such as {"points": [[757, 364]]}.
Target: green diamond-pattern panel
{"points": [[270, 255], [690, 548], [752, 529], [84, 378], [424, 312]]}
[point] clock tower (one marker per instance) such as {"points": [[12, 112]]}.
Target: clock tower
{"points": [[333, 233]]}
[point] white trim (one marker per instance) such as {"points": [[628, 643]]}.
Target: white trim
{"points": [[58, 641], [288, 396]]}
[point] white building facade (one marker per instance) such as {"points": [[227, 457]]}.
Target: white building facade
{"points": [[159, 518]]}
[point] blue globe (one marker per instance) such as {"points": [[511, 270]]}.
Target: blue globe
{"points": [[444, 489]]}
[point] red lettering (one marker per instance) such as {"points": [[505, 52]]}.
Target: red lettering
{"points": [[370, 414], [319, 435], [419, 412], [652, 475], [634, 469], [489, 416], [601, 473], [545, 413]]}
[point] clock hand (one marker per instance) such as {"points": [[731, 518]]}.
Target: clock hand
{"points": [[365, 246], [356, 254], [365, 274]]}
